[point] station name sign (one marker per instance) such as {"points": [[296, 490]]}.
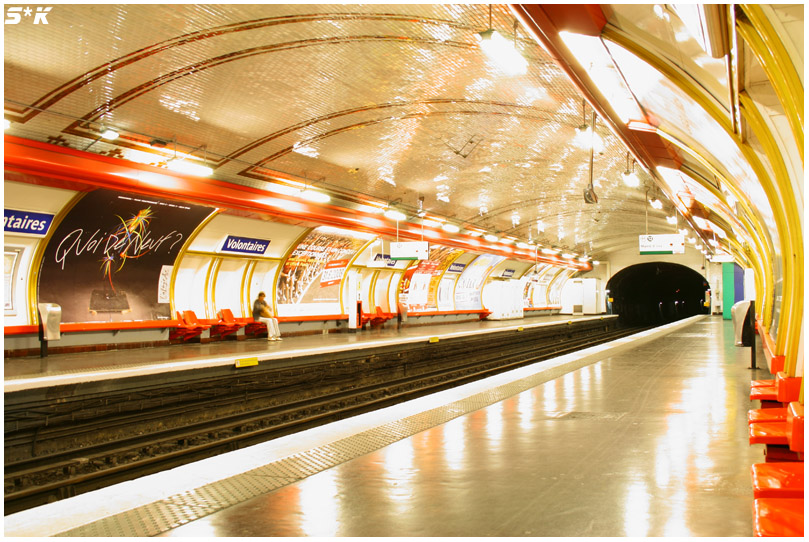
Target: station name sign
{"points": [[26, 222], [245, 245], [381, 260], [673, 243]]}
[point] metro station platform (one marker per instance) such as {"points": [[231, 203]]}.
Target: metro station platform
{"points": [[644, 436], [58, 369]]}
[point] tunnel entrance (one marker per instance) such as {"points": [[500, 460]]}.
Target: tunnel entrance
{"points": [[657, 293]]}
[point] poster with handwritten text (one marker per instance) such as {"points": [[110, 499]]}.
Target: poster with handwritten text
{"points": [[104, 260]]}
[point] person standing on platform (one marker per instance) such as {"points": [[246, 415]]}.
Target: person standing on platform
{"points": [[263, 314]]}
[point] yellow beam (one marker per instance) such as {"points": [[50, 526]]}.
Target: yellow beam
{"points": [[769, 50], [688, 87], [748, 217], [790, 206]]}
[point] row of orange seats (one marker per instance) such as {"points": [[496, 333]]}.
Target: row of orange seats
{"points": [[778, 482]]}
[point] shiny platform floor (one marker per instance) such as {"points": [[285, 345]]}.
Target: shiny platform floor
{"points": [[646, 437], [60, 369]]}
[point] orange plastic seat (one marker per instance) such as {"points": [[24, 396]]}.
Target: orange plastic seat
{"points": [[788, 388], [769, 433], [227, 324], [778, 517], [188, 328], [767, 415], [795, 426], [777, 480], [227, 318], [764, 393]]}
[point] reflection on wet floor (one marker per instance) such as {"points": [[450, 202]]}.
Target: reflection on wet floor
{"points": [[648, 442]]}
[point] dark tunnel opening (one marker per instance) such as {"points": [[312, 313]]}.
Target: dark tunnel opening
{"points": [[657, 293]]}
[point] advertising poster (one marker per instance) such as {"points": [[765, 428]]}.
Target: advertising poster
{"points": [[422, 280], [470, 284], [333, 272], [302, 279], [9, 265], [105, 259]]}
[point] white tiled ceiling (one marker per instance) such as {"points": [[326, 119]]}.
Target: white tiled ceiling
{"points": [[388, 103]]}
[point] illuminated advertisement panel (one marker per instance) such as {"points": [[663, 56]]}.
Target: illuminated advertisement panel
{"points": [[421, 282], [105, 260], [310, 279], [470, 284]]}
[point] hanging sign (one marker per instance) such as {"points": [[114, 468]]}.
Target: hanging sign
{"points": [[456, 268], [409, 250], [662, 244], [508, 273]]}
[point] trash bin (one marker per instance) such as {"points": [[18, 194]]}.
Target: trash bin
{"points": [[50, 316], [739, 314]]}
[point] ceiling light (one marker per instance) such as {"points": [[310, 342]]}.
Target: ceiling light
{"points": [[490, 238], [660, 11], [315, 196], [475, 233], [109, 133], [683, 231], [190, 168], [596, 262], [549, 251], [6, 124], [568, 256], [523, 245], [431, 223], [656, 203], [584, 259], [585, 139], [671, 220], [450, 228], [593, 55], [631, 179], [502, 52], [507, 241], [393, 214]]}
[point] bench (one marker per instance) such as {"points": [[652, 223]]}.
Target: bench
{"points": [[188, 328], [377, 318]]}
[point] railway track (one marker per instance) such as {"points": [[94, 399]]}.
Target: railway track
{"points": [[79, 449]]}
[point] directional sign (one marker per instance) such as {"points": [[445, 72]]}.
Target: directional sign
{"points": [[662, 244]]}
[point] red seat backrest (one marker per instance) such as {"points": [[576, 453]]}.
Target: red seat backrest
{"points": [[190, 317], [226, 315]]}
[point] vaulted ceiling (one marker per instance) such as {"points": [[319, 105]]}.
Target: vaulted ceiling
{"points": [[375, 105]]}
